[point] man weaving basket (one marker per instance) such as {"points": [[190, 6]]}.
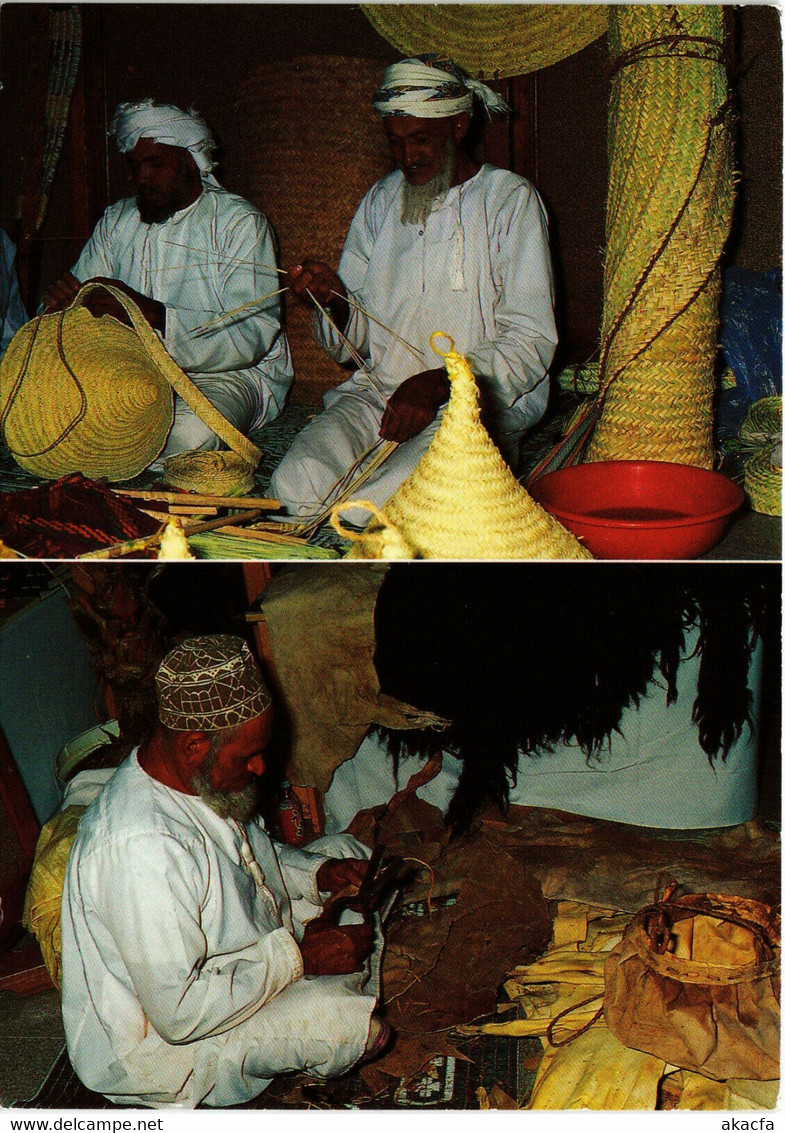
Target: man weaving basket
{"points": [[189, 253], [200, 959], [441, 244]]}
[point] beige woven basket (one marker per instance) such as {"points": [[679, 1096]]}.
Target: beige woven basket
{"points": [[760, 435], [462, 501], [320, 106], [215, 473], [90, 395]]}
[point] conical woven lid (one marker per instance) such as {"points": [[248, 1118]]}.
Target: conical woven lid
{"points": [[462, 501]]}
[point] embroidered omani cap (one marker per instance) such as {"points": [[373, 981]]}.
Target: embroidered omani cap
{"points": [[209, 683]]}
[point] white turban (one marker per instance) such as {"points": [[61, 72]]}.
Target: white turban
{"points": [[168, 125], [418, 89]]}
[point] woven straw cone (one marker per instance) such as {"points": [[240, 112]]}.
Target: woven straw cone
{"points": [[462, 501], [315, 148], [217, 473], [492, 41], [670, 204]]}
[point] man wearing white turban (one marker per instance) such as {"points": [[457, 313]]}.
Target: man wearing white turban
{"points": [[189, 253], [442, 244]]}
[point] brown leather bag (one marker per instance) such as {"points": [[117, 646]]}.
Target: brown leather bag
{"points": [[696, 981]]}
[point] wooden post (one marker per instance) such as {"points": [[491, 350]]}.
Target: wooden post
{"points": [[28, 244], [511, 143], [87, 126]]}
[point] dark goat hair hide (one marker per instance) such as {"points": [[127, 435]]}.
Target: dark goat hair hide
{"points": [[521, 657]]}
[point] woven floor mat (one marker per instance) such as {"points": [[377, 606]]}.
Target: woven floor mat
{"points": [[275, 440]]}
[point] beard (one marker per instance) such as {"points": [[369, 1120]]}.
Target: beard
{"points": [[238, 805], [156, 212], [418, 200]]}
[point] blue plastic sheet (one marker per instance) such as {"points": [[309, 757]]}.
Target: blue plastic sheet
{"points": [[751, 341], [751, 335]]}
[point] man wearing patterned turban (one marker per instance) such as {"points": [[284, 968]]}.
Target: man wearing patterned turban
{"points": [[442, 244], [188, 253], [198, 959]]}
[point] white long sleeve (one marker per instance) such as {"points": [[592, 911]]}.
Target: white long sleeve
{"points": [[212, 257], [401, 274]]}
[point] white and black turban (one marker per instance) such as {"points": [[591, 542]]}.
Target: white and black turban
{"points": [[168, 125], [432, 87]]}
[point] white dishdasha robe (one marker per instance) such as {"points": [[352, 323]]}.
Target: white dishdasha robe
{"points": [[182, 977], [409, 277], [211, 257]]}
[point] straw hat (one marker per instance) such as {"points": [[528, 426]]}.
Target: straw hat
{"points": [[462, 501], [90, 395]]}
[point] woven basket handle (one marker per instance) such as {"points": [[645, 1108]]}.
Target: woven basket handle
{"points": [[659, 925], [178, 380]]}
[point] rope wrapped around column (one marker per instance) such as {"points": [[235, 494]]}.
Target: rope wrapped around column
{"points": [[670, 204]]}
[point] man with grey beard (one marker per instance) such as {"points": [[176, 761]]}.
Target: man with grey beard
{"points": [[442, 244], [200, 958]]}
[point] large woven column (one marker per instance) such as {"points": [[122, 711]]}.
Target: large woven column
{"points": [[670, 201]]}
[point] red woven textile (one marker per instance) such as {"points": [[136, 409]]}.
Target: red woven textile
{"points": [[69, 517]]}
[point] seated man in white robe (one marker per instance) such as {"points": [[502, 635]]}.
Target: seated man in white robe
{"points": [[442, 244], [198, 961], [190, 254]]}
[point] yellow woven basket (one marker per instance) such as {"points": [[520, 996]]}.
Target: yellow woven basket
{"points": [[670, 205], [760, 434], [462, 501], [217, 473], [90, 395]]}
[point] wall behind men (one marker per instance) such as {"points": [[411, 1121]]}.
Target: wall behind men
{"points": [[200, 54], [48, 695]]}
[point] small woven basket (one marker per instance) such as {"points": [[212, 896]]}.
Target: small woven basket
{"points": [[761, 436], [212, 473], [763, 484]]}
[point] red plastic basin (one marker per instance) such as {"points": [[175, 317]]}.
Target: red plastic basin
{"points": [[640, 509]]}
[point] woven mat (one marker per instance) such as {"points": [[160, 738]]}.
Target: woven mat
{"points": [[274, 440], [494, 1063]]}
